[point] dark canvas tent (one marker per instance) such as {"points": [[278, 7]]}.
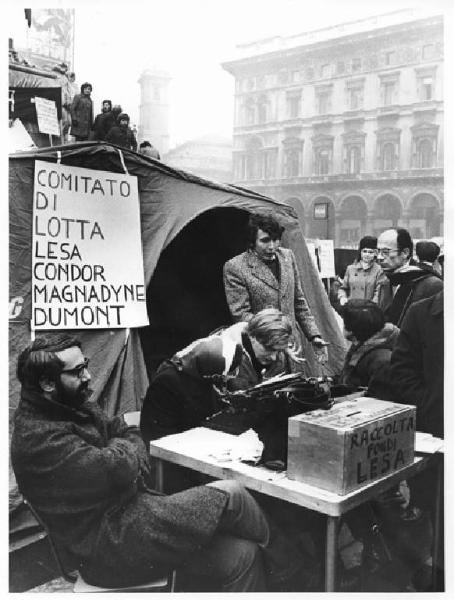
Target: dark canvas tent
{"points": [[190, 227]]}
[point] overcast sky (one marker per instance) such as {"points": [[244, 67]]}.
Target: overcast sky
{"points": [[115, 42]]}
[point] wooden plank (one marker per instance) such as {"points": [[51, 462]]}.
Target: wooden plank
{"points": [[211, 456]]}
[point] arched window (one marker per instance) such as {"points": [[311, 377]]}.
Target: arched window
{"points": [[388, 157], [254, 159], [354, 159], [425, 155]]}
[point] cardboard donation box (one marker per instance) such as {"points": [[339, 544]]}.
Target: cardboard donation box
{"points": [[351, 445]]}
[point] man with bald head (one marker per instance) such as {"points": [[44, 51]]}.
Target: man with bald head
{"points": [[405, 281]]}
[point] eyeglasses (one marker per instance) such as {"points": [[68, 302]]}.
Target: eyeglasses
{"points": [[386, 251], [77, 371]]}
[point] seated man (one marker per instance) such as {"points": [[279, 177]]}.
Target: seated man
{"points": [[87, 476], [181, 393]]}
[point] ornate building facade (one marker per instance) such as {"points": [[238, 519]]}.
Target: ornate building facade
{"points": [[346, 125]]}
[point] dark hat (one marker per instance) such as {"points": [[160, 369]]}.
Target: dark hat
{"points": [[121, 116], [368, 241]]}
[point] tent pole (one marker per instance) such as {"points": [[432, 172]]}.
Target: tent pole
{"points": [[50, 139]]}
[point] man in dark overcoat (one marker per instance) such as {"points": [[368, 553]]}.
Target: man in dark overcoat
{"points": [[87, 475], [266, 276]]}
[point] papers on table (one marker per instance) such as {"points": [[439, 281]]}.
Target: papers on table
{"points": [[425, 443]]}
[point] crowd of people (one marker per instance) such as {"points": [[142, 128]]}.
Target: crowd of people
{"points": [[110, 125], [90, 478]]}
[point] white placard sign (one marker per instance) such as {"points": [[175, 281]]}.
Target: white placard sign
{"points": [[87, 250], [326, 258], [46, 112]]}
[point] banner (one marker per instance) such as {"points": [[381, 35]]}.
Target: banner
{"points": [[322, 254], [87, 250], [46, 112]]}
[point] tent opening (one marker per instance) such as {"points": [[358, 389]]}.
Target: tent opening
{"points": [[185, 298]]}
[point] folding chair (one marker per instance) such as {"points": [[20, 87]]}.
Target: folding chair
{"points": [[162, 583]]}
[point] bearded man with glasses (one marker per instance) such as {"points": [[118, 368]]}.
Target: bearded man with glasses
{"points": [[88, 477]]}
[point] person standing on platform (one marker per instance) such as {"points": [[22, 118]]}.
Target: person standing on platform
{"points": [[362, 278], [266, 275], [82, 113], [99, 128], [121, 134]]}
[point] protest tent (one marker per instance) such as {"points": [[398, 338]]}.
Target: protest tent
{"points": [[190, 227]]}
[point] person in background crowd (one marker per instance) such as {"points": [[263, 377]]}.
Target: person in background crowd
{"points": [[181, 394], [417, 376], [367, 362], [87, 475], [428, 253], [362, 278], [148, 149], [82, 113], [406, 282], [266, 275], [99, 128], [121, 134]]}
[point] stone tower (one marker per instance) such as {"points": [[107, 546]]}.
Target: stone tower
{"points": [[154, 109]]}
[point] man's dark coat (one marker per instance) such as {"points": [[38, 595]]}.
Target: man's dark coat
{"points": [[417, 363], [87, 477], [413, 284]]}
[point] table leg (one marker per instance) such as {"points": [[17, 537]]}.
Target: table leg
{"points": [[159, 474], [332, 530], [437, 523]]}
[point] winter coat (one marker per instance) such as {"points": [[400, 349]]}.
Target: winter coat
{"points": [[410, 284], [250, 286], [178, 397], [102, 124], [122, 136], [361, 283], [367, 364], [87, 475], [81, 116], [417, 363]]}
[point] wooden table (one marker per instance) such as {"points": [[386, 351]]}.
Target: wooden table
{"points": [[213, 453]]}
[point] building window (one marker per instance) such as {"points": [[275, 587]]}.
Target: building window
{"points": [[269, 164], [292, 162], [250, 84], [353, 160], [388, 158], [293, 105], [249, 112], [388, 88], [427, 88], [390, 58], [425, 154], [323, 102], [262, 109], [310, 73], [340, 67], [326, 71], [428, 51], [322, 161], [356, 65], [355, 98]]}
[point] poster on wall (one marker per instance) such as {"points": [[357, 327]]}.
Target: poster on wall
{"points": [[87, 250]]}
